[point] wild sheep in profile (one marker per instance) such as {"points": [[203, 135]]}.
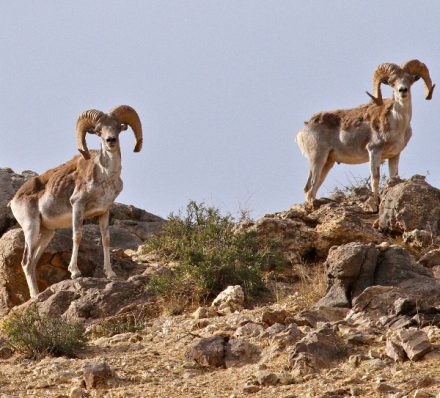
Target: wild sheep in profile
{"points": [[84, 187], [369, 133]]}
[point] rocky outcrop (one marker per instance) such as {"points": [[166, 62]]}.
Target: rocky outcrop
{"points": [[9, 184], [354, 267], [52, 267], [350, 270], [131, 226], [89, 299], [305, 234], [410, 205]]}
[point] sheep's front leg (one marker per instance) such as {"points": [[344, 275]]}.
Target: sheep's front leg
{"points": [[375, 158], [393, 166], [372, 203], [105, 234], [77, 225]]}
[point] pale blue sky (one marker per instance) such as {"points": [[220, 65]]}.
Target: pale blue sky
{"points": [[221, 87]]}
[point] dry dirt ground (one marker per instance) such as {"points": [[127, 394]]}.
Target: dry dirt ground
{"points": [[152, 363]]}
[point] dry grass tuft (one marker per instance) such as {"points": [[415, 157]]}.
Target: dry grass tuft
{"points": [[312, 284]]}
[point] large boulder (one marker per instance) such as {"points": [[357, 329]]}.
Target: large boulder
{"points": [[9, 184], [221, 351], [89, 299], [350, 270], [52, 267], [134, 222], [410, 205], [319, 349], [383, 285]]}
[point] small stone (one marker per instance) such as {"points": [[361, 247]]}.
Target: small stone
{"points": [[415, 342], [376, 364], [383, 246], [209, 351], [356, 391], [200, 324], [359, 339], [354, 360], [271, 317], [97, 375], [432, 355], [78, 392], [251, 388], [204, 312], [230, 300], [6, 352], [238, 352], [422, 394], [395, 351], [250, 330], [374, 354], [425, 381], [266, 378], [383, 388]]}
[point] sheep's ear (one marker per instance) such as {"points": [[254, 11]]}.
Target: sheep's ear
{"points": [[385, 80], [124, 127]]}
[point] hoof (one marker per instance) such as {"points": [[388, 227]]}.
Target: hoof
{"points": [[111, 275], [75, 275]]}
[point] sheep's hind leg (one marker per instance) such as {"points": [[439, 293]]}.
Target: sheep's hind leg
{"points": [[316, 177], [327, 167], [31, 241], [28, 217], [44, 239], [78, 217]]}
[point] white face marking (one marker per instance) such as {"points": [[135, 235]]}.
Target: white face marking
{"points": [[401, 86]]}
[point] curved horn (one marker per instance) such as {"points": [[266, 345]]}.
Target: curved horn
{"points": [[381, 74], [415, 67], [127, 115], [86, 122]]}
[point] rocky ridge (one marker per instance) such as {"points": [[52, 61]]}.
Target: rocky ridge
{"points": [[373, 332]]}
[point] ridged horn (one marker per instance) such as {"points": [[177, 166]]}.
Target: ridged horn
{"points": [[127, 115], [415, 67], [86, 122], [382, 72]]}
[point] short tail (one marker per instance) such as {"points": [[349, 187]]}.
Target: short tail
{"points": [[299, 139]]}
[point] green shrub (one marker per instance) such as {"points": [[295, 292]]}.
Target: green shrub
{"points": [[36, 335], [209, 255]]}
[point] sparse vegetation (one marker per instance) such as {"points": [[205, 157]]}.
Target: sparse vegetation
{"points": [[312, 284], [358, 185], [38, 335], [126, 323], [209, 255]]}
